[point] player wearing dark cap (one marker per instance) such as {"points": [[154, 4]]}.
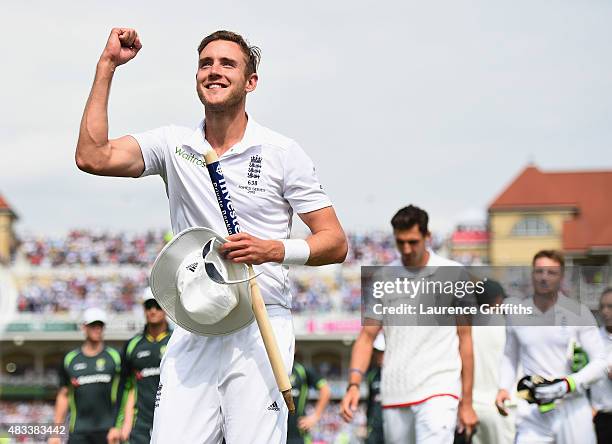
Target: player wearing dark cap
{"points": [[141, 359]]}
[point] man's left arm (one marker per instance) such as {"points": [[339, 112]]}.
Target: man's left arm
{"points": [[327, 243], [114, 433], [128, 415], [590, 340], [314, 380], [467, 415]]}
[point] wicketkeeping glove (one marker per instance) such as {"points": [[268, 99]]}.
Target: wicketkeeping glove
{"points": [[544, 392], [548, 392], [580, 358]]}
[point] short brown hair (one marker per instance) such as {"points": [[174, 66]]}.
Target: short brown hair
{"points": [[408, 217], [252, 54], [555, 255]]}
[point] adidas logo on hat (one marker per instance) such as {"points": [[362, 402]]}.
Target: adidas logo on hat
{"points": [[274, 406]]}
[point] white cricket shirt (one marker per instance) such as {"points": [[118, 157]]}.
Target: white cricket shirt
{"points": [[488, 341], [544, 348], [601, 391], [422, 361], [269, 178]]}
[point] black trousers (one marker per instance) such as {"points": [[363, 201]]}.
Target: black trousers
{"points": [[603, 427], [87, 438]]}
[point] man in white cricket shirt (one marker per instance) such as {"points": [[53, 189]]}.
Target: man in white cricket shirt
{"points": [[543, 344], [601, 392], [489, 343], [221, 387], [427, 375]]}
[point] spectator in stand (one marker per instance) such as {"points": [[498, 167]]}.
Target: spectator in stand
{"points": [[320, 293], [370, 249], [12, 412], [83, 247], [114, 293]]}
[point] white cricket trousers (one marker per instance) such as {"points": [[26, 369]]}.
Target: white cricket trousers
{"points": [[219, 387], [430, 422], [570, 422], [492, 427]]}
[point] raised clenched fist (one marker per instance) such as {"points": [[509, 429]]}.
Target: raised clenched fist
{"points": [[122, 46]]}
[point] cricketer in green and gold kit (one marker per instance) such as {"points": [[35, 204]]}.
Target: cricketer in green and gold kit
{"points": [[374, 407], [89, 378], [375, 432], [299, 426], [140, 370]]}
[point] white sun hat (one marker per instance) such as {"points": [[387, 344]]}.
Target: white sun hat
{"points": [[94, 314], [198, 289], [147, 295]]}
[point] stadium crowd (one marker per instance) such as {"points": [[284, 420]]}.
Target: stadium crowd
{"points": [[319, 292], [30, 412], [90, 248], [313, 292], [115, 293]]}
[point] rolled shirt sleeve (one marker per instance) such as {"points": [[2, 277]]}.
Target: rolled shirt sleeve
{"points": [[301, 186], [154, 146]]}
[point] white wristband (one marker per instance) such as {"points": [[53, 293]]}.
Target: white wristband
{"points": [[297, 251]]}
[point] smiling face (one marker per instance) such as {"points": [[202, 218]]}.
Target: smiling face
{"points": [[222, 81]]}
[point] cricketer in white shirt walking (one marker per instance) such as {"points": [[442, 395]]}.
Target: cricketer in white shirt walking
{"points": [[426, 383], [543, 348], [601, 392], [489, 340], [215, 388]]}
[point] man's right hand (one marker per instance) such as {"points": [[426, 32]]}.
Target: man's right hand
{"points": [[122, 46], [125, 433], [500, 400], [113, 436], [348, 407]]}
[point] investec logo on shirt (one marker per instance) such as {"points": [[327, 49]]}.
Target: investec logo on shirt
{"points": [[189, 157]]}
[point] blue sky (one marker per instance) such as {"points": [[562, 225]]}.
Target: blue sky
{"points": [[435, 103]]}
